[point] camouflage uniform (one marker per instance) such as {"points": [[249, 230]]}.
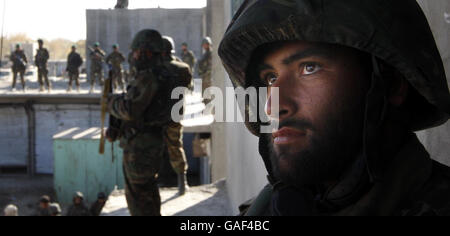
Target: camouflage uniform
{"points": [[121, 4], [131, 72], [40, 60], [406, 183], [96, 208], [97, 59], [174, 131], [188, 57], [19, 61], [115, 59], [144, 111], [205, 69], [78, 209], [74, 61]]}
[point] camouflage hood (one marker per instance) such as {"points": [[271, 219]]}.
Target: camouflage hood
{"points": [[396, 32]]}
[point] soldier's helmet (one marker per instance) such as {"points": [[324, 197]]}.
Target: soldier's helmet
{"points": [[394, 32], [78, 195], [101, 195], [169, 44], [115, 46], [148, 39], [207, 40], [11, 210], [185, 44], [40, 41], [44, 199], [55, 209], [96, 44], [18, 46], [74, 46]]}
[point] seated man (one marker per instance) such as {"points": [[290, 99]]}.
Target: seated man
{"points": [[355, 79]]}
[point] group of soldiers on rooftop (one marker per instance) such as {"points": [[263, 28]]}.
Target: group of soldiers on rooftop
{"points": [[98, 57]]}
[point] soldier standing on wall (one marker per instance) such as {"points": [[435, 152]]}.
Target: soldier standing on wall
{"points": [[188, 57], [40, 61], [205, 66], [19, 61], [115, 59], [97, 56], [74, 61]]}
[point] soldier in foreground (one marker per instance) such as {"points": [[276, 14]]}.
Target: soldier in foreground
{"points": [[144, 112], [78, 208], [40, 61], [74, 61], [353, 88], [205, 65], [19, 61], [97, 56], [188, 57], [173, 135], [115, 59]]}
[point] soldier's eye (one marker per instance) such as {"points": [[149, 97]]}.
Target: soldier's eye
{"points": [[310, 68], [270, 78]]}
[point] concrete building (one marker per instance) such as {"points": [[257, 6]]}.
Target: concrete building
{"points": [[109, 27]]}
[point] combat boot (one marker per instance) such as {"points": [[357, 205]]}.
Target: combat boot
{"points": [[69, 89], [78, 89], [92, 89], [182, 184], [41, 88]]}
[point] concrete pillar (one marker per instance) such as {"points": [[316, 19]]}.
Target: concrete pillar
{"points": [[437, 140]]}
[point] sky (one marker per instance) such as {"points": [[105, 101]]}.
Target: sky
{"points": [[51, 19]]}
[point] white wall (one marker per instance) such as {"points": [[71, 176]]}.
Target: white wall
{"points": [[437, 140], [235, 150]]}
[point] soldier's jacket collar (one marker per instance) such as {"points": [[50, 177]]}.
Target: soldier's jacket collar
{"points": [[405, 176]]}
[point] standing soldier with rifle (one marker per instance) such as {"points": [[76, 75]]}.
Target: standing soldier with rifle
{"points": [[144, 112], [115, 59], [40, 61], [74, 61], [97, 56], [19, 61]]}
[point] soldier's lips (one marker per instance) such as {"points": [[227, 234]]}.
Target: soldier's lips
{"points": [[288, 136]]}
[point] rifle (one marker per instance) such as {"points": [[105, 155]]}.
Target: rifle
{"points": [[107, 89]]}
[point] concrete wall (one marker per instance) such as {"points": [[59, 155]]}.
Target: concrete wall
{"points": [[437, 140], [52, 119], [119, 26], [14, 138], [235, 150]]}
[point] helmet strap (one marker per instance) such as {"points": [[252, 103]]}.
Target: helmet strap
{"points": [[375, 114]]}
